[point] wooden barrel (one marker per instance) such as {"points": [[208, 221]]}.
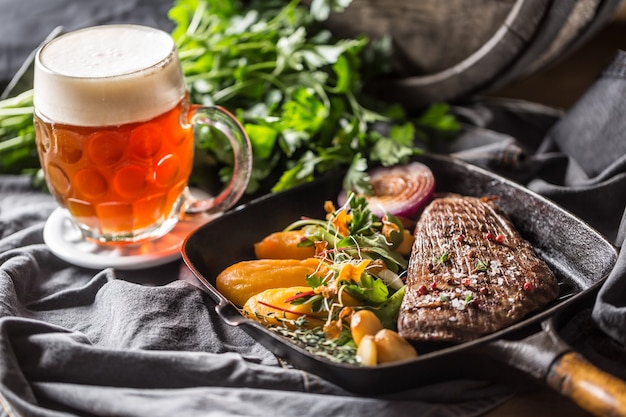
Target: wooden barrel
{"points": [[568, 25], [449, 50]]}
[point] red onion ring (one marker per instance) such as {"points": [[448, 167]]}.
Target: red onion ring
{"points": [[401, 190]]}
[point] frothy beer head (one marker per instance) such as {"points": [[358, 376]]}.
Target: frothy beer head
{"points": [[107, 75]]}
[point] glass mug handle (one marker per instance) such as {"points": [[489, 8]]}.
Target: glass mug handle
{"points": [[222, 120]]}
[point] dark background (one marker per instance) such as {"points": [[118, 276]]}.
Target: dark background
{"points": [[24, 24], [563, 83]]}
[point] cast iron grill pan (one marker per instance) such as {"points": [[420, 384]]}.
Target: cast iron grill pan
{"points": [[579, 256]]}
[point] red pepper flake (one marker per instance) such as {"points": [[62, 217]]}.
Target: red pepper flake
{"points": [[460, 237], [471, 253], [433, 286], [500, 238], [465, 282], [422, 290], [489, 236], [528, 286]]}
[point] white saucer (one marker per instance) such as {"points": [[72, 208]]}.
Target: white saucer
{"points": [[66, 241]]}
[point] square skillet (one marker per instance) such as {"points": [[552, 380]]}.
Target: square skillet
{"points": [[579, 256]]}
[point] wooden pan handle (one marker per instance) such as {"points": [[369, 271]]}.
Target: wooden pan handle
{"points": [[591, 388]]}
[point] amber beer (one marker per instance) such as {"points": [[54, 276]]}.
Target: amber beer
{"points": [[114, 131]]}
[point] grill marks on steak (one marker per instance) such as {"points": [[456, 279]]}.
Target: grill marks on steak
{"points": [[470, 273]]}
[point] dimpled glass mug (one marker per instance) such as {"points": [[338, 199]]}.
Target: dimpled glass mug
{"points": [[115, 132]]}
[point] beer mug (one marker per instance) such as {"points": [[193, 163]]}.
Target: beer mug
{"points": [[115, 133]]}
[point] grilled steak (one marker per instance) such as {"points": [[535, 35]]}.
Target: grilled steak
{"points": [[470, 273]]}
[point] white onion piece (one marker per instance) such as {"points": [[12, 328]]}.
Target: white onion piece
{"points": [[401, 190]]}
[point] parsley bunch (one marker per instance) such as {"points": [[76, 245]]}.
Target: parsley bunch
{"points": [[18, 152], [296, 88]]}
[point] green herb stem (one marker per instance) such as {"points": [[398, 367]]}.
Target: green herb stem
{"points": [[24, 99], [16, 142], [306, 222], [14, 111]]}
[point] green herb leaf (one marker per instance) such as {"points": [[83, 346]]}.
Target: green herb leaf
{"points": [[387, 312], [370, 289], [441, 259], [481, 266]]}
